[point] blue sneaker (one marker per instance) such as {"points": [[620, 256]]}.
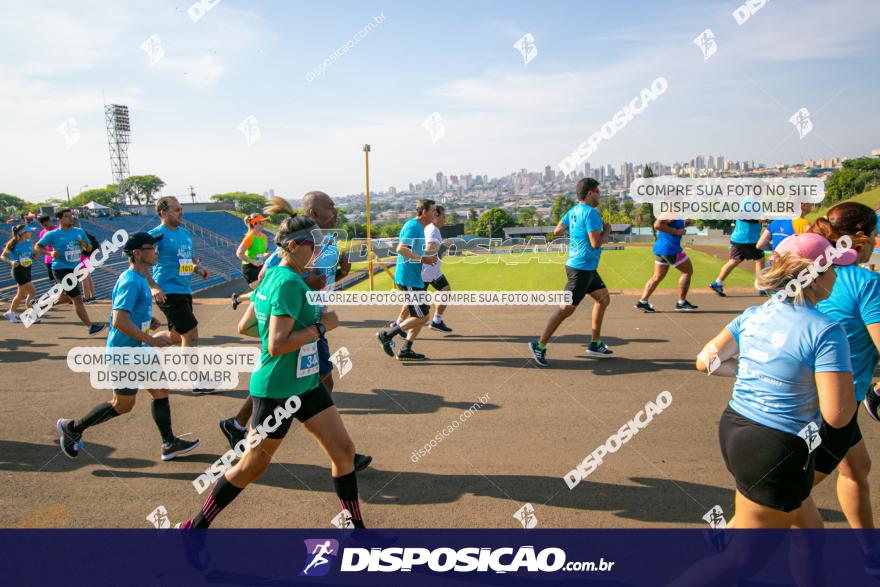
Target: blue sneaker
{"points": [[718, 288], [539, 355], [599, 350]]}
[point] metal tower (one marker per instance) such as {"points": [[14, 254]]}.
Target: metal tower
{"points": [[118, 138]]}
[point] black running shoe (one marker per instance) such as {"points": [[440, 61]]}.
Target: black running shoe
{"points": [[385, 341], [233, 434], [685, 306], [645, 307], [235, 301], [178, 447], [70, 443], [718, 288], [361, 462], [540, 355], [203, 390], [410, 355], [441, 326], [872, 403], [96, 327], [599, 350]]}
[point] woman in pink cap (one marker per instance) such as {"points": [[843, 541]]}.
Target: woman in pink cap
{"points": [[792, 369]]}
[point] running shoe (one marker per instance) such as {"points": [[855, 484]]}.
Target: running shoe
{"points": [[89, 301], [441, 326], [599, 350], [178, 447], [361, 462], [872, 403], [233, 433], [203, 390], [70, 443], [718, 288], [540, 355], [685, 306], [235, 301], [385, 342], [410, 355], [10, 315], [96, 327], [645, 307]]}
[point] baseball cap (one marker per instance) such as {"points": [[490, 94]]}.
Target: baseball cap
{"points": [[812, 246], [139, 239]]}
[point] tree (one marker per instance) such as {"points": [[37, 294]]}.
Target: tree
{"points": [[104, 196], [529, 216], [473, 215], [12, 203], [561, 205], [856, 176], [140, 187], [452, 218], [247, 203], [498, 218]]}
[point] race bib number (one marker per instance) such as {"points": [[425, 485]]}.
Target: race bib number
{"points": [[145, 327], [25, 262], [72, 256], [260, 257], [186, 267], [308, 360]]}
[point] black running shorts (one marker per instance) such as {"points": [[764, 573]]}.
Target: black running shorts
{"points": [[59, 278], [582, 282], [746, 252], [251, 272], [771, 467], [439, 283], [178, 310], [313, 401], [21, 275], [420, 310]]}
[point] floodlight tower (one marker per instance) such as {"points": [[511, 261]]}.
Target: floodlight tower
{"points": [[118, 138]]}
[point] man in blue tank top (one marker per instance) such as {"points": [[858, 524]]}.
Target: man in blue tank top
{"points": [[669, 253]]}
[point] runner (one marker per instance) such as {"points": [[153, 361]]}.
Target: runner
{"points": [[131, 321], [48, 225], [19, 252], [288, 327], [854, 303], [408, 277], [668, 253], [432, 274], [85, 261], [587, 235], [793, 366], [743, 247], [777, 230], [170, 281], [252, 252], [68, 243]]}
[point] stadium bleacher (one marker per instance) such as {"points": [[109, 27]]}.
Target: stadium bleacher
{"points": [[215, 238]]}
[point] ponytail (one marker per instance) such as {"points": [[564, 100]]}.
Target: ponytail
{"points": [[295, 223], [847, 218], [11, 242]]}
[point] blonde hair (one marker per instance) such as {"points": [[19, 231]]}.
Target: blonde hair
{"points": [[783, 270]]}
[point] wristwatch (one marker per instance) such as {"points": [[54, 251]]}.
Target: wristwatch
{"points": [[321, 329]]}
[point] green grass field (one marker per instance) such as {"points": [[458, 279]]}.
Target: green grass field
{"points": [[629, 268], [870, 198]]}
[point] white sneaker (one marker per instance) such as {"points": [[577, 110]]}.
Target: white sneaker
{"points": [[10, 315]]}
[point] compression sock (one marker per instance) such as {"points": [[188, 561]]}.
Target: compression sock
{"points": [[161, 410], [407, 345], [98, 415], [347, 491], [393, 331], [223, 494], [438, 317]]}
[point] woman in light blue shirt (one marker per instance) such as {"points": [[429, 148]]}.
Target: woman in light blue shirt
{"points": [[791, 363]]}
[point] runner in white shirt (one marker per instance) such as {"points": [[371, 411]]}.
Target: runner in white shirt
{"points": [[433, 274]]}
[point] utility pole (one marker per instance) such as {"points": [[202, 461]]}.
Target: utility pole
{"points": [[68, 193], [192, 193]]}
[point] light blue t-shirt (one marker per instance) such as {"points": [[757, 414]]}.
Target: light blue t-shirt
{"points": [[854, 303], [174, 270], [132, 294], [65, 242], [666, 243], [746, 232], [272, 260], [781, 348], [581, 220], [408, 272], [22, 251]]}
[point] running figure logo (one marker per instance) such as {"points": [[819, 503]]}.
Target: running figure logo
{"points": [[342, 360], [342, 520], [434, 125], [715, 518], [250, 128], [153, 48], [526, 46], [706, 43], [159, 518], [810, 434], [526, 516], [69, 130], [801, 121], [320, 554]]}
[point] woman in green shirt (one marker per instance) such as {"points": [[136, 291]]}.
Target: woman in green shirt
{"points": [[287, 384]]}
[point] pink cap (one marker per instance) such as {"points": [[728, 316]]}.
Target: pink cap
{"points": [[812, 246]]}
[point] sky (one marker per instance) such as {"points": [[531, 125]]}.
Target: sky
{"points": [[61, 61]]}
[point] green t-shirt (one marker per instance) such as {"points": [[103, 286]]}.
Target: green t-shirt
{"points": [[255, 246], [283, 293]]}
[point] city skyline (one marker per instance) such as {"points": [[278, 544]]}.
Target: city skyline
{"points": [[243, 98]]}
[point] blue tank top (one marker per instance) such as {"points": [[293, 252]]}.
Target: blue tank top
{"points": [[669, 244]]}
